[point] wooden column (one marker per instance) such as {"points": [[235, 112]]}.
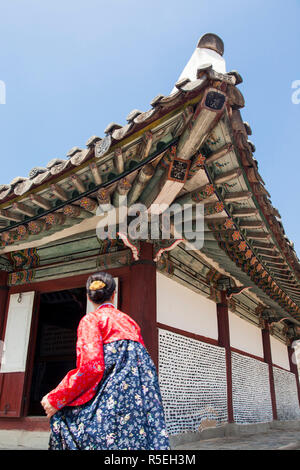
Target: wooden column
{"points": [[143, 298], [3, 300], [3, 307], [294, 369], [268, 360], [224, 341]]}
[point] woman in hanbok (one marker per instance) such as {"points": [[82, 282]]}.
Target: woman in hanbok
{"points": [[112, 399]]}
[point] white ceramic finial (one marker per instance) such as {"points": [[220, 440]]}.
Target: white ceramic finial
{"points": [[209, 50]]}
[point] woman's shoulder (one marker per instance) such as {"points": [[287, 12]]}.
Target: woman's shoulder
{"points": [[89, 318], [110, 312], [102, 314]]}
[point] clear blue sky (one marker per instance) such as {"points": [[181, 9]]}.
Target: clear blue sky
{"points": [[71, 67]]}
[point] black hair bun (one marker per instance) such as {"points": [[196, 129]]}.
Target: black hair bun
{"points": [[100, 295]]}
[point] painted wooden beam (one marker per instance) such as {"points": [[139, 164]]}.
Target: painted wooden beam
{"points": [[238, 196], [268, 254], [95, 172], [251, 224], [274, 262], [58, 271], [281, 275], [23, 209], [219, 154], [207, 113], [186, 116], [146, 144], [8, 215], [196, 166], [265, 246], [80, 226], [70, 210], [59, 192], [40, 201], [57, 222], [77, 183], [212, 209], [119, 161], [291, 284], [56, 218], [204, 119], [228, 176], [103, 196], [258, 235], [296, 299], [244, 212], [88, 204], [151, 190], [216, 221], [3, 223], [276, 269], [292, 290], [166, 196], [122, 189], [283, 270], [199, 195], [283, 286], [293, 295], [140, 183]]}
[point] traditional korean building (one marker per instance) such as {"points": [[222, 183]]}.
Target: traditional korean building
{"points": [[218, 319]]}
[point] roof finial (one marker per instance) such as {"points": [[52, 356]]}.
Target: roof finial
{"points": [[213, 42], [209, 51]]}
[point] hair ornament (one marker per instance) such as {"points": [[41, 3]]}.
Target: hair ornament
{"points": [[96, 285]]}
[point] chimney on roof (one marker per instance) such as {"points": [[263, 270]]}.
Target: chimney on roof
{"points": [[210, 50]]}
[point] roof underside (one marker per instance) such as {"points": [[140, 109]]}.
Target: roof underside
{"points": [[201, 125]]}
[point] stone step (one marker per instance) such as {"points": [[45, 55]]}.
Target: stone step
{"points": [[19, 439]]}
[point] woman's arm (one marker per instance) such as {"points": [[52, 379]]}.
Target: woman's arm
{"points": [[49, 409], [79, 385]]}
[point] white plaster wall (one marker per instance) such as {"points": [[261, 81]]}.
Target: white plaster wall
{"points": [[245, 336], [17, 332], [181, 308], [279, 352]]}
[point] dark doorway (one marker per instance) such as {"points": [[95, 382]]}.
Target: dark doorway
{"points": [[55, 354]]}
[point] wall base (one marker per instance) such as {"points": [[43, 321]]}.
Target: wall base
{"points": [[38, 440], [232, 429]]}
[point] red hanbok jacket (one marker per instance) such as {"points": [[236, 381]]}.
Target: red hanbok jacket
{"points": [[104, 325]]}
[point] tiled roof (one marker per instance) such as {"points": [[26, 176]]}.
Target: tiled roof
{"points": [[136, 120]]}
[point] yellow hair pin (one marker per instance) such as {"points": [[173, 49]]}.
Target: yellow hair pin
{"points": [[96, 285]]}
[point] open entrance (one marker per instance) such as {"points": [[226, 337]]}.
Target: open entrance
{"points": [[55, 354]]}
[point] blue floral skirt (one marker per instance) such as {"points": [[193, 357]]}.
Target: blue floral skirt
{"points": [[126, 412]]}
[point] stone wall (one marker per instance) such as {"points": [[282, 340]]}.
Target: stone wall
{"points": [[286, 395], [250, 390], [192, 378]]}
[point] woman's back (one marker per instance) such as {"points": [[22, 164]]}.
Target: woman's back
{"points": [[114, 324]]}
